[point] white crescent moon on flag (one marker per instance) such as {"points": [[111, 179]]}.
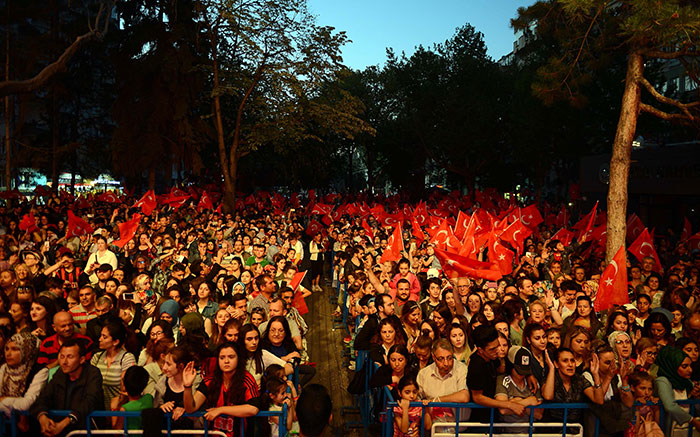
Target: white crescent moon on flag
{"points": [[641, 248], [614, 264], [522, 219], [514, 235], [438, 235]]}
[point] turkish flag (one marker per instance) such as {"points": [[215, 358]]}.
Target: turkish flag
{"points": [[530, 216], [440, 236], [612, 289], [634, 227], [327, 220], [11, 194], [66, 197], [147, 203], [564, 235], [591, 217], [205, 202], [81, 203], [312, 195], [177, 201], [421, 214], [456, 266], [321, 209], [178, 192], [391, 219], [562, 219], [462, 224], [687, 229], [394, 246], [28, 223], [314, 228], [368, 229], [77, 226], [417, 231], [643, 246], [500, 255], [516, 234], [127, 230], [109, 197]]}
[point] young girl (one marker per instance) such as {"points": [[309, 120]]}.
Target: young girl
{"points": [[554, 338], [641, 384], [276, 391], [407, 419]]}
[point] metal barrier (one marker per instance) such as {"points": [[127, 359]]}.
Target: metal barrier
{"points": [[168, 416]]}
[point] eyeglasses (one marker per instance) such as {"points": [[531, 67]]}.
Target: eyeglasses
{"points": [[156, 333], [444, 359], [623, 342]]}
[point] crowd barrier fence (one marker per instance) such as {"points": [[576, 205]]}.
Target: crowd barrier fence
{"points": [[89, 426]]}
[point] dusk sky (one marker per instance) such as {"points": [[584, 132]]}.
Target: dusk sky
{"points": [[374, 25]]}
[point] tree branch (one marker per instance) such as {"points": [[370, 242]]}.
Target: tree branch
{"points": [[9, 87], [661, 114], [671, 55], [667, 100]]}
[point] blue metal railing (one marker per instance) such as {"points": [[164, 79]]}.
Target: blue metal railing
{"points": [[282, 415]]}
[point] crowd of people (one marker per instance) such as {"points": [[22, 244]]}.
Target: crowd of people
{"points": [[204, 311]]}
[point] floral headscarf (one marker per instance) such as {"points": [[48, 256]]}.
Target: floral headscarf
{"points": [[612, 340], [15, 379]]}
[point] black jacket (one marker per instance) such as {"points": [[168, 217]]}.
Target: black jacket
{"points": [[85, 395]]}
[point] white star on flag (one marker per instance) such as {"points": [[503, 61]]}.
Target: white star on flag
{"points": [[608, 282], [501, 257]]}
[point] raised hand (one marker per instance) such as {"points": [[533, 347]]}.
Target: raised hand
{"points": [[188, 374], [595, 365]]}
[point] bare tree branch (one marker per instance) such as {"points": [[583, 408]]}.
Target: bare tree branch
{"points": [[661, 114], [667, 100], [671, 55], [9, 87]]}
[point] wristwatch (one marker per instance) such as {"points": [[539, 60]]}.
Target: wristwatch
{"points": [[73, 419]]}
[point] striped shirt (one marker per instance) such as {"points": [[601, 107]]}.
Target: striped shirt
{"points": [[112, 374], [81, 316]]}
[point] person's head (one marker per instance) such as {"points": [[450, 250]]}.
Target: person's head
{"points": [[422, 348], [643, 303], [565, 362], [474, 303], [512, 311], [490, 309], [621, 344], [408, 388], [314, 409], [689, 347], [71, 356], [606, 359], [175, 360], [535, 337], [265, 284], [578, 340], [397, 358], [87, 296], [443, 355], [568, 290], [675, 365], [231, 329], [617, 321], [642, 386], [135, 381], [486, 339], [583, 306], [442, 316], [457, 336], [277, 307], [554, 338], [434, 289], [657, 326], [228, 361], [43, 309], [257, 316], [385, 307], [525, 287], [646, 350], [388, 331], [403, 290], [21, 349], [411, 313], [103, 305], [538, 311], [278, 331], [429, 329], [113, 336]]}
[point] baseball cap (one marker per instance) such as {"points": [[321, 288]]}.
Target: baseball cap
{"points": [[65, 251], [433, 273], [630, 307], [106, 267], [520, 358]]}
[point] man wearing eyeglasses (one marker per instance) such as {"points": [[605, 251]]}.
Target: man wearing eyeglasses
{"points": [[445, 380]]}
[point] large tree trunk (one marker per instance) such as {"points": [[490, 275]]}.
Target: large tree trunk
{"points": [[621, 156], [8, 119]]}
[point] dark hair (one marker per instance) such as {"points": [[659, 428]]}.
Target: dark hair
{"points": [[657, 318], [287, 343], [638, 376], [314, 409], [559, 351], [407, 309], [527, 333], [399, 349], [117, 331], [235, 395], [405, 381], [484, 335], [398, 331], [73, 341], [135, 380], [167, 332], [245, 353], [569, 284], [511, 308], [611, 318]]}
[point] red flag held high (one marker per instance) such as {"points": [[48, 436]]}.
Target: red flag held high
{"points": [[634, 227], [591, 217], [127, 230], [417, 231], [530, 216], [564, 235], [440, 236], [147, 203], [612, 289], [368, 230], [109, 197], [77, 226], [461, 225], [205, 202], [321, 209], [28, 223], [516, 234], [314, 228], [394, 246], [643, 246], [500, 255]]}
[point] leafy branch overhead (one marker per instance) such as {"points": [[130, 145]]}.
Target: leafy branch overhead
{"points": [[587, 35]]}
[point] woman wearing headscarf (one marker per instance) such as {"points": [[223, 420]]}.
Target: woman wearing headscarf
{"points": [[621, 344], [169, 312], [21, 378], [673, 384]]}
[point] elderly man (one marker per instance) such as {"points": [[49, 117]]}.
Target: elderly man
{"points": [[65, 329], [445, 380]]}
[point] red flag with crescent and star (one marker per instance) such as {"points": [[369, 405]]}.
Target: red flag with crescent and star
{"points": [[127, 230], [643, 246], [394, 246], [612, 289], [147, 203], [77, 226]]}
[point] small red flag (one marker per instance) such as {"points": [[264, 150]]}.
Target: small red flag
{"points": [[127, 230], [687, 229], [147, 203], [314, 228], [591, 217], [516, 234], [643, 246], [368, 230], [77, 226], [394, 246], [530, 216], [564, 235], [634, 227], [456, 266], [612, 289], [500, 255], [205, 202], [28, 223]]}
